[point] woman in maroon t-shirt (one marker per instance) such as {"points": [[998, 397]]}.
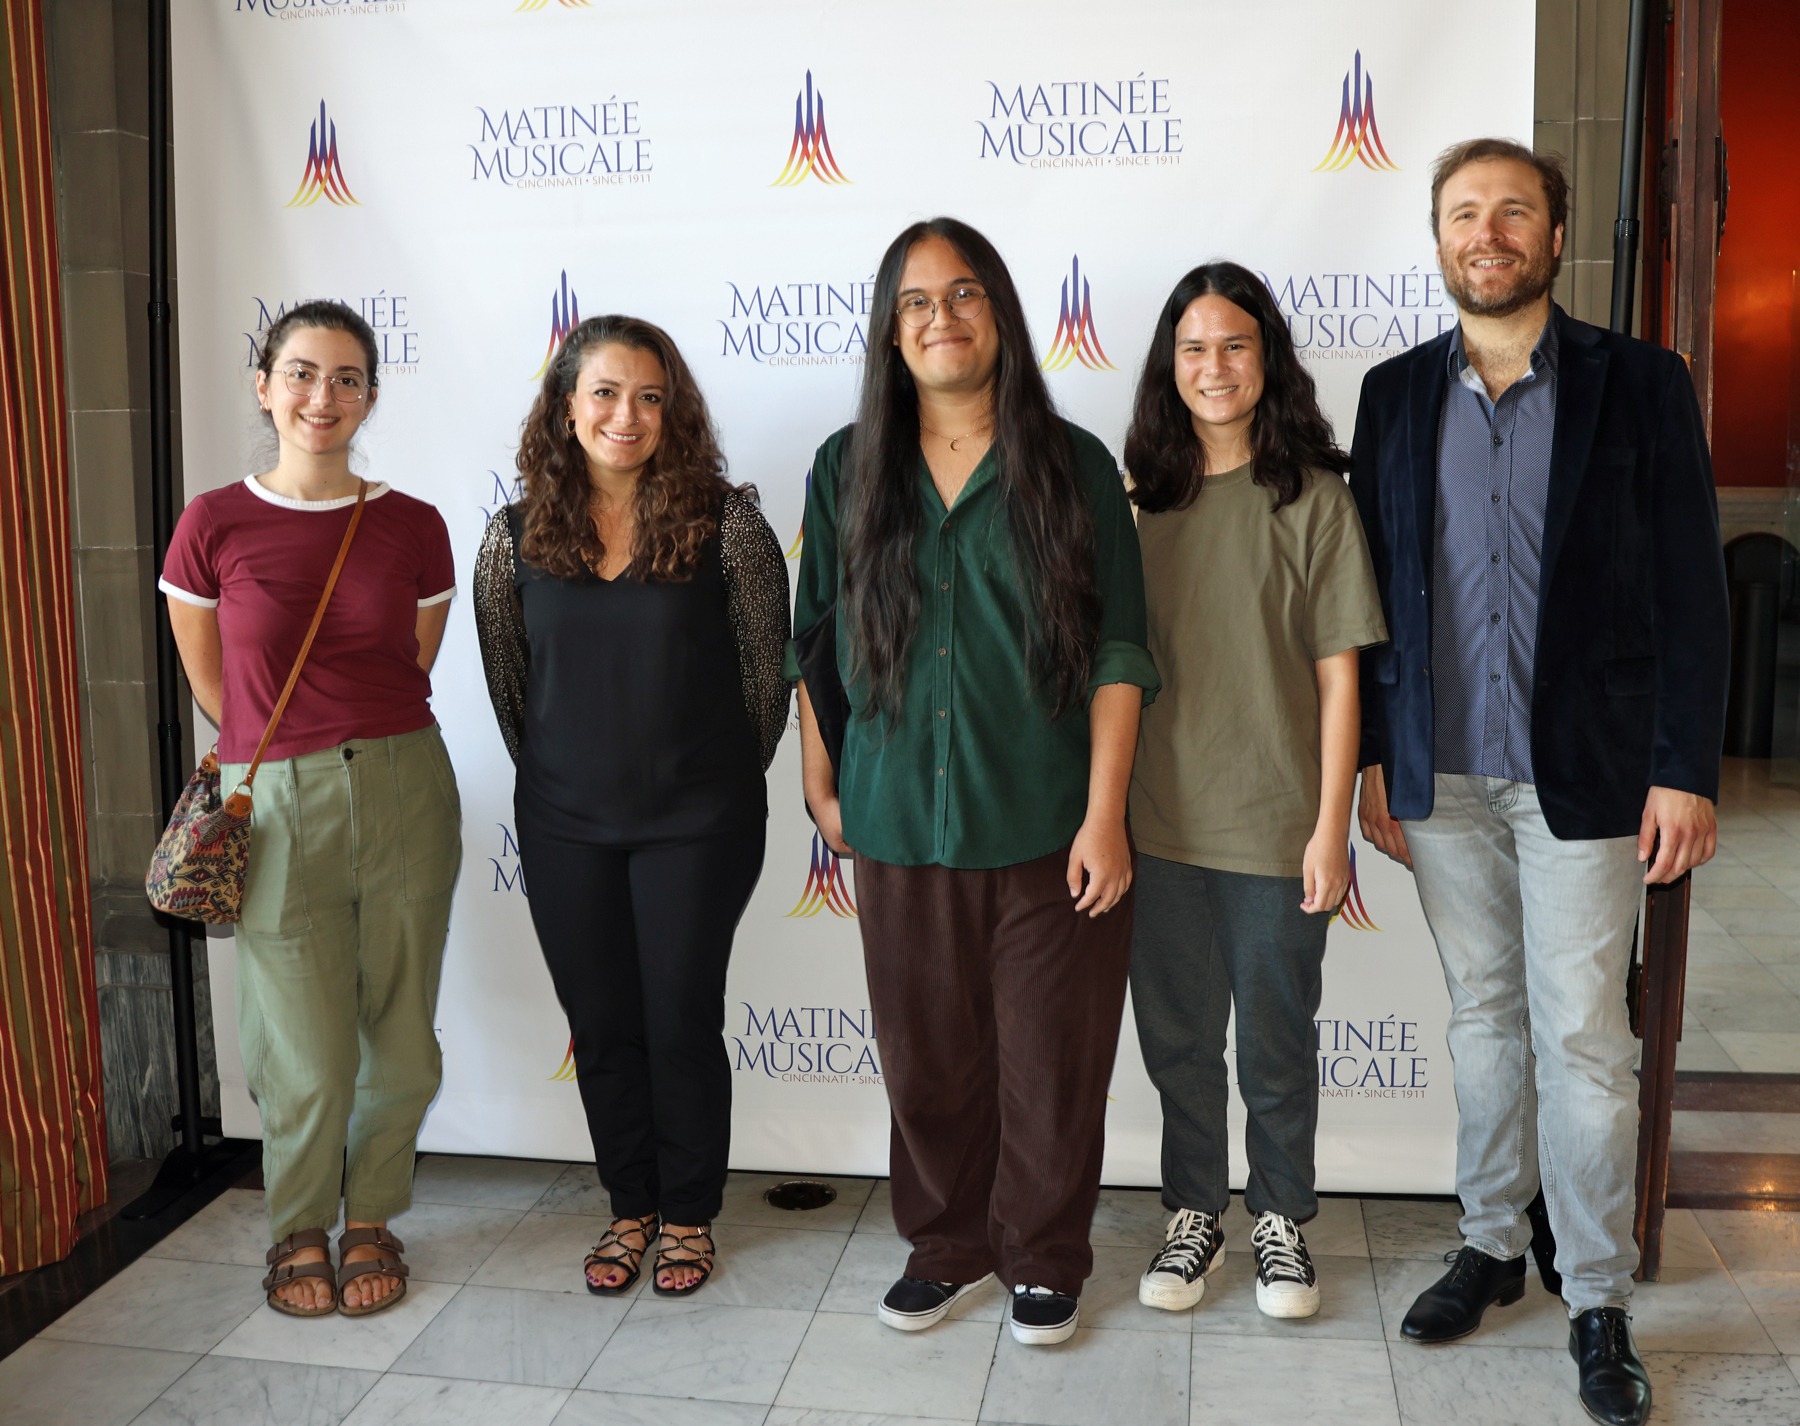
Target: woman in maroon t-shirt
{"points": [[356, 837]]}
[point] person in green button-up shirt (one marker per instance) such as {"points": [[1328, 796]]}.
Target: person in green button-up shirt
{"points": [[978, 556]]}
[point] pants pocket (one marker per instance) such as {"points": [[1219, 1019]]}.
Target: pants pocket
{"points": [[430, 817]]}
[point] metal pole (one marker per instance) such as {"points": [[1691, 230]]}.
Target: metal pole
{"points": [[1631, 168]]}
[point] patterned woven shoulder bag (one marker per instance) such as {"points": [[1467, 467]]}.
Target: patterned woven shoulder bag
{"points": [[197, 870]]}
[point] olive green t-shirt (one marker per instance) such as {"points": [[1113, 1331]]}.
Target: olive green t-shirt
{"points": [[1242, 602]]}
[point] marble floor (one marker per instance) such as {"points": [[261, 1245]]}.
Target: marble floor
{"points": [[496, 1330], [1743, 985]]}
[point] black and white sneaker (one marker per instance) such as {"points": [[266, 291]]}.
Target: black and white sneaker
{"points": [[914, 1303], [1194, 1246], [1041, 1317], [1286, 1285]]}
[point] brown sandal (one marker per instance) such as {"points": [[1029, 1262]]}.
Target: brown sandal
{"points": [[684, 1250], [621, 1254], [385, 1263], [283, 1271]]}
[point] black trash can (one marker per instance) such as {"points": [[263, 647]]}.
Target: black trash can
{"points": [[1753, 570]]}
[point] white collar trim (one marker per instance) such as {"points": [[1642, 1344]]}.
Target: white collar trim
{"points": [[377, 489]]}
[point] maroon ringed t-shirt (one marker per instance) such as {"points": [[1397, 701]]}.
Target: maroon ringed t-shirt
{"points": [[261, 560]]}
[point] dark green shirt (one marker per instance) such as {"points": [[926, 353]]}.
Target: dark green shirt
{"points": [[975, 772]]}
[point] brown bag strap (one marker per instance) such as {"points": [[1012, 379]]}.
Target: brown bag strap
{"points": [[331, 580]]}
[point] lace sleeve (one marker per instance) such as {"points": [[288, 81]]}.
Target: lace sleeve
{"points": [[756, 574], [500, 626]]}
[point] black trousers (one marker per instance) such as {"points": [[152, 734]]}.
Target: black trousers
{"points": [[637, 941]]}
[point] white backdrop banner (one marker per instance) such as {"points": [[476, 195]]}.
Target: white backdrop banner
{"points": [[474, 176]]}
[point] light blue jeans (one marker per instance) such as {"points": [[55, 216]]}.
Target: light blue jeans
{"points": [[1535, 935]]}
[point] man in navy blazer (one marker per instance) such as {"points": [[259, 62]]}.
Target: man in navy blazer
{"points": [[1548, 717]]}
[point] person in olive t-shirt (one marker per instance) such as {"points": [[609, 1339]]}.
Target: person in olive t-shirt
{"points": [[980, 558], [1260, 593]]}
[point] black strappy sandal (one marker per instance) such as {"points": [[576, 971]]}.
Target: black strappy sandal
{"points": [[612, 1251], [683, 1252]]}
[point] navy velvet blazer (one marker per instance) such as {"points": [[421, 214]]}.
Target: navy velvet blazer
{"points": [[1633, 638]]}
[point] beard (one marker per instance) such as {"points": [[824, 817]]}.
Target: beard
{"points": [[1530, 280]]}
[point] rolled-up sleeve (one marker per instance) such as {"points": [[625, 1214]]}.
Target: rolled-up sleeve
{"points": [[1122, 654], [817, 588]]}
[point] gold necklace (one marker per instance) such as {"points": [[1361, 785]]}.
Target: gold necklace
{"points": [[984, 426]]}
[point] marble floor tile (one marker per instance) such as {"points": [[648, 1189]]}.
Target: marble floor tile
{"points": [[878, 1212], [544, 1252], [607, 1408], [434, 1401], [1709, 1131], [1685, 1244], [1775, 1299], [691, 1348], [371, 1343], [1348, 1306], [1412, 1227], [1746, 922], [1760, 849], [1753, 1242], [1775, 952], [1536, 1320], [772, 1267], [231, 1391], [1717, 874], [1269, 1380], [1758, 1052], [577, 1190], [1109, 1298], [1692, 1388], [1096, 1378], [1713, 986], [1717, 951], [1757, 895], [1701, 922], [165, 1303], [1776, 1010], [868, 1267], [1788, 974], [483, 1183], [1698, 1050], [1696, 1310], [853, 1363], [52, 1383], [810, 1416], [233, 1228], [447, 1242], [1129, 1217], [512, 1335], [1782, 878], [744, 1203], [1490, 1386]]}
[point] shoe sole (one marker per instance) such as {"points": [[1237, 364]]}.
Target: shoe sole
{"points": [[1047, 1336], [1178, 1299], [1286, 1304], [919, 1321], [1509, 1295]]}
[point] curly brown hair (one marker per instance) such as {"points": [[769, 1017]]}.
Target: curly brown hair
{"points": [[676, 508]]}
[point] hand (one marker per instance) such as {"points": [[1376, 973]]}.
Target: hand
{"points": [[1102, 852], [1325, 872], [1382, 831], [828, 813], [1688, 829]]}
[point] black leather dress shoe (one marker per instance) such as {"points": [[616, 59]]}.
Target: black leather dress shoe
{"points": [[1615, 1388], [1452, 1306]]}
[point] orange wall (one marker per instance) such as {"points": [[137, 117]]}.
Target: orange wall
{"points": [[1759, 87]]}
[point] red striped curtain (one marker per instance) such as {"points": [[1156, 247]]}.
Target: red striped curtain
{"points": [[52, 1124]]}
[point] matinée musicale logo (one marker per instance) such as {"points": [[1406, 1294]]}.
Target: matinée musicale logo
{"points": [[825, 888], [318, 9], [810, 153], [389, 316], [798, 323], [1076, 340], [1122, 123], [1357, 135], [1338, 315], [565, 316], [562, 145], [323, 176], [808, 1044]]}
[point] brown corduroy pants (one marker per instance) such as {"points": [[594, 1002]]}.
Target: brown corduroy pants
{"points": [[997, 1010]]}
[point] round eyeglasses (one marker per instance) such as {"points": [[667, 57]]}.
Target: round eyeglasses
{"points": [[917, 310], [347, 388]]}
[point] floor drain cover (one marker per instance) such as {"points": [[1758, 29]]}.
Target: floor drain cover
{"points": [[800, 1194]]}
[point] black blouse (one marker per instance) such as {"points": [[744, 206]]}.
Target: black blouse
{"points": [[639, 710]]}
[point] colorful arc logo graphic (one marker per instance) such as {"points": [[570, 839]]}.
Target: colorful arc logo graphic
{"points": [[1353, 913], [1076, 340], [324, 176], [1357, 136], [545, 4], [566, 1071], [565, 315], [811, 149], [825, 886]]}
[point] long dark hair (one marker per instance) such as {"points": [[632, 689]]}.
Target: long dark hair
{"points": [[1289, 433], [1052, 525], [676, 504]]}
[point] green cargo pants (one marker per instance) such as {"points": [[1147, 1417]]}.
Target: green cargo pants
{"points": [[354, 852]]}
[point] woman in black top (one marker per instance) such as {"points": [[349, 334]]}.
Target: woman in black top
{"points": [[633, 609]]}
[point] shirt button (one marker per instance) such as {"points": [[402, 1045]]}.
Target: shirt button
{"points": [[941, 713], [1493, 678], [942, 652], [1493, 618], [940, 772], [1494, 496], [1495, 557], [1498, 440], [944, 585]]}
